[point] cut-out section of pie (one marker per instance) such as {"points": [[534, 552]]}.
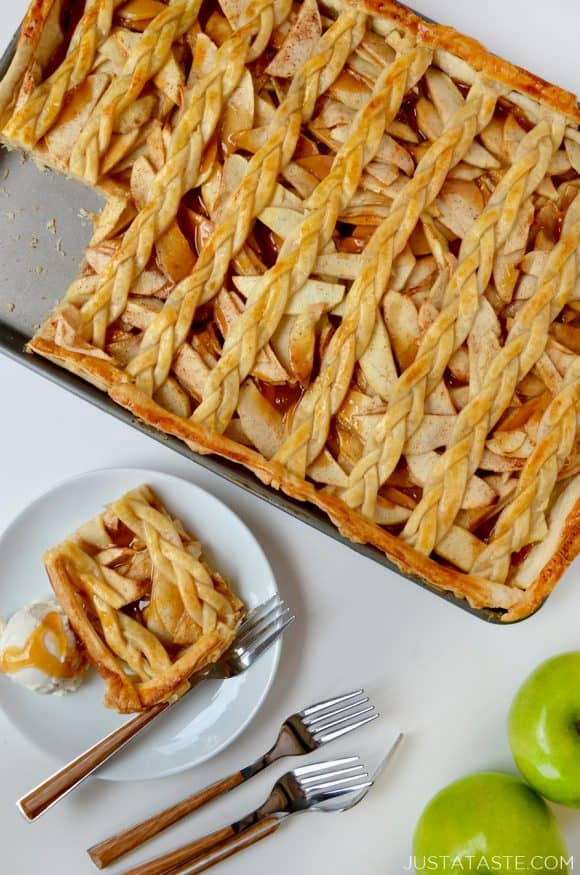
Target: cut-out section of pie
{"points": [[340, 246], [142, 599]]}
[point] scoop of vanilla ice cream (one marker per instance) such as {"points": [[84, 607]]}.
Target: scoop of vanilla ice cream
{"points": [[41, 655]]}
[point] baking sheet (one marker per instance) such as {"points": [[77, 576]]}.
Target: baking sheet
{"points": [[44, 228]]}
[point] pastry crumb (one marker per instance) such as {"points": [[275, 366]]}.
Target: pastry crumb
{"points": [[3, 191], [6, 173], [59, 248], [33, 241], [51, 226], [10, 307], [39, 269], [85, 216], [10, 215]]}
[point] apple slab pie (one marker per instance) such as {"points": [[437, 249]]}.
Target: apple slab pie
{"points": [[339, 246], [147, 608]]}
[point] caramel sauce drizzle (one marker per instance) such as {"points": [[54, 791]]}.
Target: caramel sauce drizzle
{"points": [[35, 653], [282, 396]]}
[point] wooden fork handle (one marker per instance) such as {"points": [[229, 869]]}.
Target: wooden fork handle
{"points": [[70, 776], [207, 851], [109, 850], [232, 846]]}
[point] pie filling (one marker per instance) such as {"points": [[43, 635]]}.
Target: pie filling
{"points": [[345, 242]]}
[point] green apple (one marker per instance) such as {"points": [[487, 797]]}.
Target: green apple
{"points": [[544, 729], [488, 822]]}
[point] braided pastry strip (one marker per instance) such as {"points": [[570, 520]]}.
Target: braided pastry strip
{"points": [[131, 641], [169, 329], [150, 55], [460, 305], [91, 575], [526, 342], [176, 177], [256, 325], [33, 120], [179, 569], [173, 563], [127, 639], [264, 17], [523, 521], [170, 574], [311, 420]]}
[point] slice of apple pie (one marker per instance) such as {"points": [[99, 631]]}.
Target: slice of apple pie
{"points": [[340, 246], [147, 608]]}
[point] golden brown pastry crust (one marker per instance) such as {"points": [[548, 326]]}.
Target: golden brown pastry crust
{"points": [[183, 628], [32, 31], [477, 56], [568, 549], [479, 593]]}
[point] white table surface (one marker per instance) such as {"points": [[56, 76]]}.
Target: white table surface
{"points": [[443, 676]]}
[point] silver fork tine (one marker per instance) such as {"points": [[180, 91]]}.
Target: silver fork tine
{"points": [[273, 614], [242, 648], [261, 611], [258, 610], [352, 771], [354, 788], [337, 733], [261, 644], [328, 703], [260, 614], [323, 767], [358, 797], [336, 784], [312, 722], [347, 718]]}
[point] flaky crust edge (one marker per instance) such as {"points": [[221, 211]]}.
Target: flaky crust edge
{"points": [[468, 49], [118, 691]]}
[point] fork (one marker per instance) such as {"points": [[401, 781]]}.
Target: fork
{"points": [[261, 629], [332, 786], [301, 733]]}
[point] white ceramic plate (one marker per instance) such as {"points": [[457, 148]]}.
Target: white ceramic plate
{"points": [[209, 717]]}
